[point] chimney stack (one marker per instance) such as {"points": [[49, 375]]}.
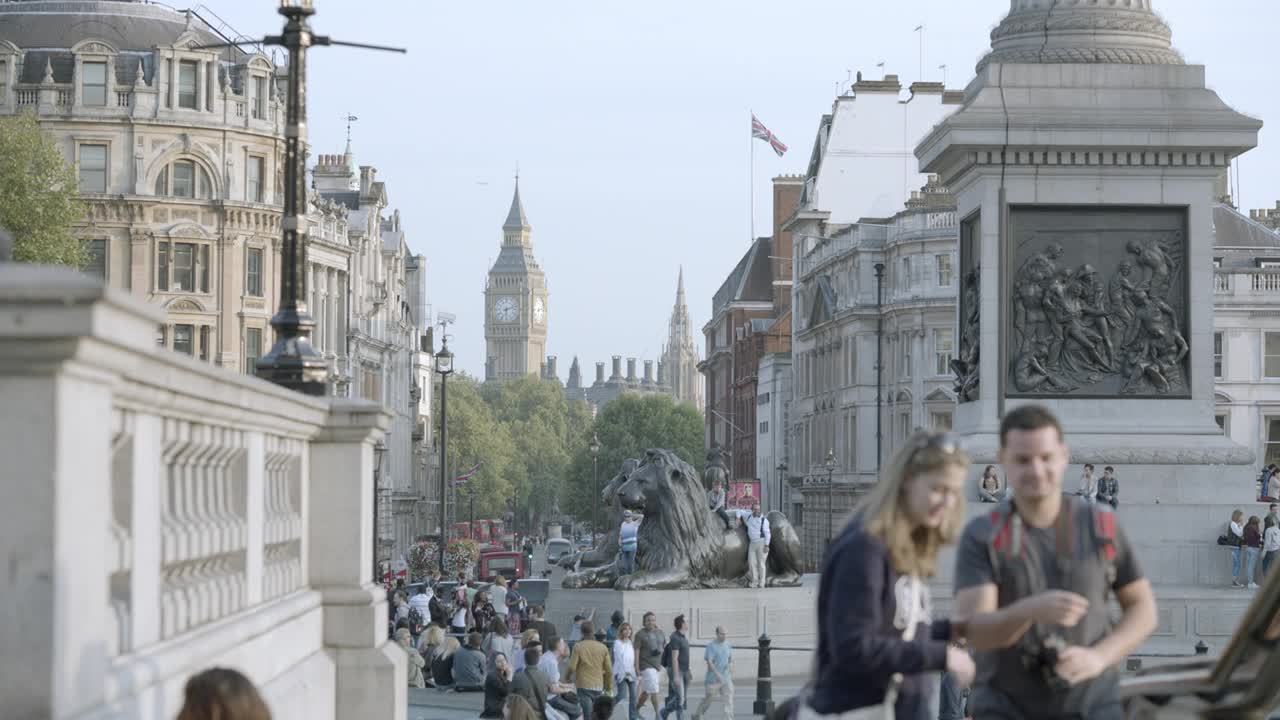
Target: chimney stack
{"points": [[631, 369], [617, 368], [599, 373], [648, 371], [551, 367]]}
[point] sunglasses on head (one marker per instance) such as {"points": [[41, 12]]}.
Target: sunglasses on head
{"points": [[947, 443]]}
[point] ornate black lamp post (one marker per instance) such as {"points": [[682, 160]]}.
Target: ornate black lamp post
{"points": [[782, 481], [379, 450], [444, 366], [594, 447], [831, 468], [292, 362]]}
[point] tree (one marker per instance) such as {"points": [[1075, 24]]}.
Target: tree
{"points": [[38, 202], [475, 436], [627, 428]]}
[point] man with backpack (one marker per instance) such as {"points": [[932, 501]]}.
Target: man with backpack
{"points": [[1032, 580]]}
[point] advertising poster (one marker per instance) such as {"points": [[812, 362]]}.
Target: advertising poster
{"points": [[742, 494]]}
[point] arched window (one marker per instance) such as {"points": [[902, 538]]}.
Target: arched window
{"points": [[184, 178]]}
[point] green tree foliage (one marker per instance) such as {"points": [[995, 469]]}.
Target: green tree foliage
{"points": [[532, 443], [627, 428], [37, 194]]}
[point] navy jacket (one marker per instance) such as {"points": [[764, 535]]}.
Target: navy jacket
{"points": [[859, 647]]}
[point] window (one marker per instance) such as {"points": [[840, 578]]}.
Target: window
{"points": [[259, 97], [93, 83], [943, 263], [942, 342], [797, 513], [905, 426], [253, 272], [906, 273], [162, 335], [1273, 441], [1221, 419], [940, 420], [1217, 262], [252, 349], [182, 338], [906, 356], [253, 186], [204, 341], [187, 97], [764, 427], [95, 258], [1271, 355], [93, 168], [1217, 355], [4, 80], [183, 267], [184, 179]]}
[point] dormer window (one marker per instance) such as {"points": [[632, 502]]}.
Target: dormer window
{"points": [[93, 83], [185, 179], [259, 97], [187, 71]]}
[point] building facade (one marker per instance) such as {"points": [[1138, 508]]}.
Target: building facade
{"points": [[678, 366], [177, 152], [605, 390], [516, 303]]}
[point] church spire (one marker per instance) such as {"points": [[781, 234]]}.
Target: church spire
{"points": [[680, 288], [515, 217]]}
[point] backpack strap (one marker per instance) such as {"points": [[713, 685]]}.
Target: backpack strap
{"points": [[1005, 541]]}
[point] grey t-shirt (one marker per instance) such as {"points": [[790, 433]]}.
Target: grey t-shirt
{"points": [[1003, 675], [649, 645]]}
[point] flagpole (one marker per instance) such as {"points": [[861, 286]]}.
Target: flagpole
{"points": [[751, 181]]}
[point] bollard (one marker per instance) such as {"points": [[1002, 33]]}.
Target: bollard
{"points": [[1202, 648], [764, 681]]}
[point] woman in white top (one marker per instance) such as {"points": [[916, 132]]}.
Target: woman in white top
{"points": [[624, 669], [498, 596], [1235, 530], [1270, 544], [498, 642]]}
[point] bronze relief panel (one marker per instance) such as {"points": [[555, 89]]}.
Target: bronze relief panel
{"points": [[1098, 302]]}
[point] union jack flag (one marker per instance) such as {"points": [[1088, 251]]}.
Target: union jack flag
{"points": [[465, 477], [758, 130]]}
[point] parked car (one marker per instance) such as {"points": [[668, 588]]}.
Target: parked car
{"points": [[557, 548]]}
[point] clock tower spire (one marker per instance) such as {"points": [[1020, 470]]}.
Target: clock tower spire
{"points": [[515, 326]]}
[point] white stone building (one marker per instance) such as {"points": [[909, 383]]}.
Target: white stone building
{"points": [[384, 361], [178, 154]]}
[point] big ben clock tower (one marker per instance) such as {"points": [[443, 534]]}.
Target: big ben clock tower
{"points": [[515, 301]]}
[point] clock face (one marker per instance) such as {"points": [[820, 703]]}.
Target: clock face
{"points": [[504, 309], [539, 311]]}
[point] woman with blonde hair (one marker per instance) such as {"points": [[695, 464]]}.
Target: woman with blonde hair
{"points": [[442, 665], [517, 708], [877, 646], [222, 694], [527, 638]]}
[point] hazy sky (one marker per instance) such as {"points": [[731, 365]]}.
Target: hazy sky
{"points": [[630, 126]]}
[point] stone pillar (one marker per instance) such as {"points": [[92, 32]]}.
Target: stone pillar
{"points": [[55, 326], [1088, 107], [371, 676]]}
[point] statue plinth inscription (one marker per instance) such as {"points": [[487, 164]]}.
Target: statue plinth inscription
{"points": [[1099, 303]]}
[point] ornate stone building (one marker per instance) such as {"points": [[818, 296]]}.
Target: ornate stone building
{"points": [[386, 321], [515, 301], [678, 366], [607, 389], [178, 154]]}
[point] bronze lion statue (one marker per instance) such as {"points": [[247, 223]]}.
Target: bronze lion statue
{"points": [[682, 544], [608, 550]]}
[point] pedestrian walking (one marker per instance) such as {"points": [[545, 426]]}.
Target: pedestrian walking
{"points": [[719, 659], [676, 657], [879, 651], [650, 642], [590, 668], [498, 597], [1032, 584], [499, 641], [625, 668], [1270, 543], [758, 537]]}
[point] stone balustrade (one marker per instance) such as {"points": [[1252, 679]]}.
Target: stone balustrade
{"points": [[161, 516], [1247, 284]]}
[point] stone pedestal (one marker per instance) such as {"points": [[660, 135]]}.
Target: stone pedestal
{"points": [[1085, 161], [788, 615]]}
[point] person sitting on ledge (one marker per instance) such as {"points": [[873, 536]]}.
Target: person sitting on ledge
{"points": [[989, 486], [715, 499], [469, 666]]}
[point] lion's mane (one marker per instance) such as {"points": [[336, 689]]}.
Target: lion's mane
{"points": [[677, 525]]}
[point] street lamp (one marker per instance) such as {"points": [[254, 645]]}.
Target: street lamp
{"points": [[292, 361], [782, 481], [379, 450], [444, 366], [594, 447], [831, 468]]}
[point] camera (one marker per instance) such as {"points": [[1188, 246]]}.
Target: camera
{"points": [[1043, 659]]}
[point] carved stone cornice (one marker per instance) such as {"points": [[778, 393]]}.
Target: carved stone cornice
{"points": [[1082, 31]]}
